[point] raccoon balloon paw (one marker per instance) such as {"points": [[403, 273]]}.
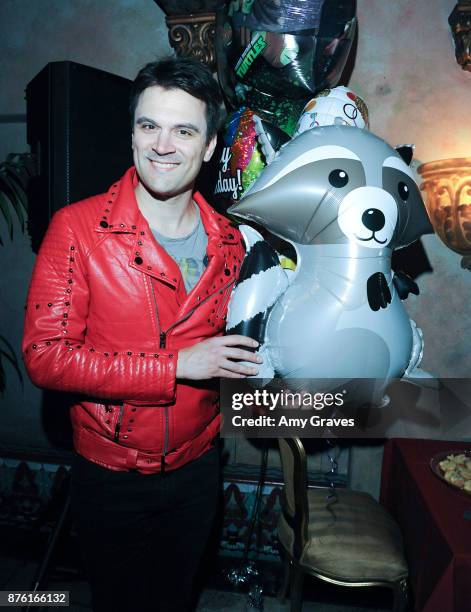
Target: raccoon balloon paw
{"points": [[405, 285], [379, 295]]}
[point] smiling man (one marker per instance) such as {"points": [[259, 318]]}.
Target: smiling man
{"points": [[126, 310]]}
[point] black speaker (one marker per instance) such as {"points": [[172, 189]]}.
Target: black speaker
{"points": [[79, 128]]}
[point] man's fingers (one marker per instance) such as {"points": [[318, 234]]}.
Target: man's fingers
{"points": [[241, 355], [239, 368], [217, 356], [228, 374], [238, 340]]}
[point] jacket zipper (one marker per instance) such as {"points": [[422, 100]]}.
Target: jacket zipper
{"points": [[163, 334], [118, 423], [162, 345]]}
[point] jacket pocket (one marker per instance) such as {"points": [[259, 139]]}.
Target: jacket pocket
{"points": [[108, 417]]}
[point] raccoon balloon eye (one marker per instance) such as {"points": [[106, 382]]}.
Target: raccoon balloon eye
{"points": [[403, 191], [338, 178]]}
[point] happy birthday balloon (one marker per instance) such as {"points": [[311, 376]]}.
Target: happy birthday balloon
{"points": [[242, 158], [272, 56]]}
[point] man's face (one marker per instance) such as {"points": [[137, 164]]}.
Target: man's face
{"points": [[169, 140]]}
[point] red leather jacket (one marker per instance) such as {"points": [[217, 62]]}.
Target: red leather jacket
{"points": [[107, 312]]}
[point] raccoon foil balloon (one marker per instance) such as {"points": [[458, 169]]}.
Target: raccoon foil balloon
{"points": [[344, 199]]}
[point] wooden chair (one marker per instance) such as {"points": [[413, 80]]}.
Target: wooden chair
{"points": [[350, 540]]}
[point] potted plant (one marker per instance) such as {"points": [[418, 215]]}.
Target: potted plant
{"points": [[15, 173]]}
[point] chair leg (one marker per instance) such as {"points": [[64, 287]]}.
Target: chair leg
{"points": [[296, 587], [401, 596]]}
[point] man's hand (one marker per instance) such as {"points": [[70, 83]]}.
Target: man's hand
{"points": [[215, 357]]}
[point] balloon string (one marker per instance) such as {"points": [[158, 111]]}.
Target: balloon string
{"points": [[247, 572], [332, 497]]}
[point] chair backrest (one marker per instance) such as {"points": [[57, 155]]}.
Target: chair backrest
{"points": [[294, 501]]}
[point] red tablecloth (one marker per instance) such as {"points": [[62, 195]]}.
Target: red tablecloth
{"points": [[432, 517]]}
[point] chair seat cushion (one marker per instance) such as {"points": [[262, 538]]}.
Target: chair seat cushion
{"points": [[353, 539]]}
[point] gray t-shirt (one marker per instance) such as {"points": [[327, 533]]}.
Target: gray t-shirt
{"points": [[189, 252]]}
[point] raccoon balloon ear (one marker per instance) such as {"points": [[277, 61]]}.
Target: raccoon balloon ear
{"points": [[406, 151], [275, 135], [270, 138]]}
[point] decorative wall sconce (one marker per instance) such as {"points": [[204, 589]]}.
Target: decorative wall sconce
{"points": [[460, 23], [447, 185], [191, 28]]}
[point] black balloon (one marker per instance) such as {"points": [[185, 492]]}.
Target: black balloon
{"points": [[273, 56]]}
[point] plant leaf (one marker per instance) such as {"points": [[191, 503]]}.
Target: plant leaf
{"points": [[5, 184], [7, 344], [19, 201], [18, 186], [5, 204], [23, 165], [14, 363], [2, 378], [10, 355]]}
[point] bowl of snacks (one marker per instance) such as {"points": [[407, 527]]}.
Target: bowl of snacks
{"points": [[454, 468]]}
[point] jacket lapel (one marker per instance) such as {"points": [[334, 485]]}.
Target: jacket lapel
{"points": [[120, 214]]}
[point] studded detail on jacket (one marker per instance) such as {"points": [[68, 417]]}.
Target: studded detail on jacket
{"points": [[106, 314]]}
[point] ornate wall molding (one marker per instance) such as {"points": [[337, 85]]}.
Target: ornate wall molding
{"points": [[193, 36], [447, 185], [191, 28]]}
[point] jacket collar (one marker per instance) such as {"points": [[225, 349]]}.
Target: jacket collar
{"points": [[120, 214]]}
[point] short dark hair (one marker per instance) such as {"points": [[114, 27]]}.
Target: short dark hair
{"points": [[184, 73]]}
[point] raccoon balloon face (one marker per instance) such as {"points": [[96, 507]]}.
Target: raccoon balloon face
{"points": [[338, 185]]}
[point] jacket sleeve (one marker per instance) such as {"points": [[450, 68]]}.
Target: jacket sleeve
{"points": [[55, 348]]}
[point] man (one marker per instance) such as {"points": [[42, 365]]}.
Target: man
{"points": [[127, 309]]}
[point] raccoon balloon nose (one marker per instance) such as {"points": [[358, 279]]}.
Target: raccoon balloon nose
{"points": [[373, 219]]}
